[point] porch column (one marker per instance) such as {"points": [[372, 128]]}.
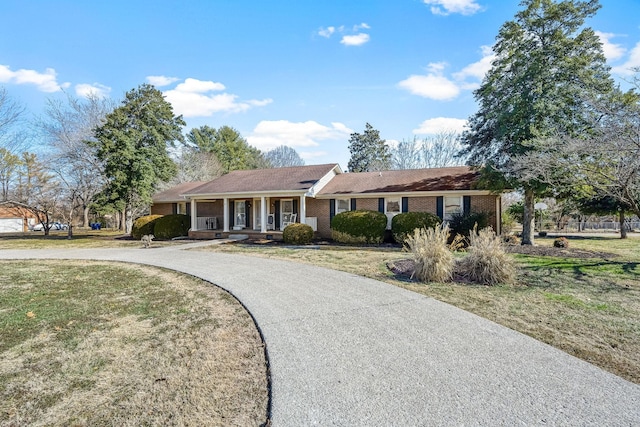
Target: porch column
{"points": [[263, 214], [225, 209], [194, 215], [303, 209]]}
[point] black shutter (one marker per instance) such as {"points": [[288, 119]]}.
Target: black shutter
{"points": [[189, 208], [466, 205], [405, 204], [232, 214], [440, 207], [381, 204], [277, 215], [247, 214], [332, 210], [295, 206], [353, 204], [174, 208]]}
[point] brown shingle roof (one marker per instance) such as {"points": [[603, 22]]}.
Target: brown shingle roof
{"points": [[396, 181], [174, 194], [298, 178]]}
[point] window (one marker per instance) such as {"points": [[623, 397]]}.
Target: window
{"points": [[452, 205], [343, 205], [240, 213], [393, 206]]}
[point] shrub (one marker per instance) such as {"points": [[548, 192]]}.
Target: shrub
{"points": [[486, 262], [561, 242], [144, 225], [360, 226], [542, 234], [170, 226], [403, 225], [297, 234], [463, 224], [434, 261]]}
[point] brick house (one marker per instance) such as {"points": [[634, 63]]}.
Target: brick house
{"points": [[266, 200]]}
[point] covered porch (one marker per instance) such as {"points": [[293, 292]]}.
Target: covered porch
{"points": [[243, 213]]}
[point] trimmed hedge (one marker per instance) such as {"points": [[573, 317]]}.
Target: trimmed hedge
{"points": [[297, 234], [404, 224], [360, 226], [170, 226], [144, 225]]}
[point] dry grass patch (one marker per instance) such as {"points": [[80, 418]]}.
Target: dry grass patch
{"points": [[91, 344]]}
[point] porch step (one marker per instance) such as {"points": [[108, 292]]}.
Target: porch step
{"points": [[238, 236]]}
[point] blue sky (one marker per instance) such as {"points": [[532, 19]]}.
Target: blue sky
{"points": [[302, 73]]}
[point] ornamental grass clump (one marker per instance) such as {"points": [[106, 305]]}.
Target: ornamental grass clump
{"points": [[561, 242], [433, 260], [486, 261]]}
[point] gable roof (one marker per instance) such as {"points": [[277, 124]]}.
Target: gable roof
{"points": [[398, 181], [293, 179], [174, 194]]}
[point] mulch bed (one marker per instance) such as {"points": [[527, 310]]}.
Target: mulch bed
{"points": [[403, 269]]}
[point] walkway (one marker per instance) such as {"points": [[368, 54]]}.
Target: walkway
{"points": [[350, 351]]}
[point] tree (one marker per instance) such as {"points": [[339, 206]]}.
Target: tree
{"points": [[283, 156], [132, 143], [368, 151], [9, 166], [547, 64], [195, 165], [441, 150], [67, 128], [231, 149], [37, 190], [10, 114], [406, 155]]}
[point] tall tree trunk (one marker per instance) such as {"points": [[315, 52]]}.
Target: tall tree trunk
{"points": [[528, 225], [128, 219], [623, 228], [121, 227], [85, 216]]}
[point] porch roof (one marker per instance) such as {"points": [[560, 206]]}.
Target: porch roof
{"points": [[458, 178], [298, 179]]}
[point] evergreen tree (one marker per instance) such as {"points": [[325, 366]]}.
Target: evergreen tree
{"points": [[548, 64], [368, 151], [132, 143]]}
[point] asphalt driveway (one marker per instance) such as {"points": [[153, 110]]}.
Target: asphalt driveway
{"points": [[349, 351]]}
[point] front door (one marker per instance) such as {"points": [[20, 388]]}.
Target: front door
{"points": [[257, 213], [286, 210], [240, 212]]}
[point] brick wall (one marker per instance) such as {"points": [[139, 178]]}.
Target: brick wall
{"points": [[320, 209], [486, 204], [162, 209], [423, 204], [367, 204], [211, 209]]}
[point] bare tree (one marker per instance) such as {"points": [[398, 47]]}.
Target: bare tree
{"points": [[194, 165], [67, 127], [406, 155], [283, 156], [442, 150]]}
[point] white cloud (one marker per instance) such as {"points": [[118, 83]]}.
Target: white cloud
{"points": [[432, 86], [193, 98], [45, 82], [86, 89], [611, 50], [477, 70], [326, 32], [446, 7], [440, 124], [633, 61], [270, 134], [363, 26], [160, 81], [356, 40]]}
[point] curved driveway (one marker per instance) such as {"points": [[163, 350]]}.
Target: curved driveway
{"points": [[349, 351]]}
